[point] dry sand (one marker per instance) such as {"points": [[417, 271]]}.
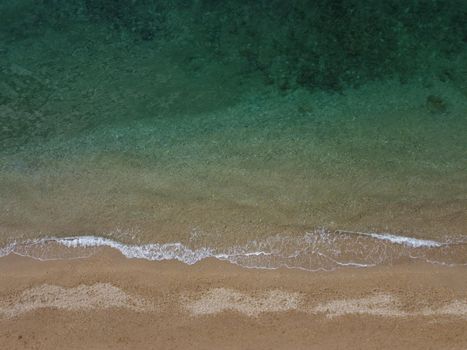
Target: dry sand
{"points": [[108, 301]]}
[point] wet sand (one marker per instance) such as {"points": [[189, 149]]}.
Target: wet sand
{"points": [[108, 301]]}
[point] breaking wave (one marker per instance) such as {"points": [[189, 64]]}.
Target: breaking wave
{"points": [[317, 250]]}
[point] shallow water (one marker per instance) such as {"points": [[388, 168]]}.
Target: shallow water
{"points": [[106, 136]]}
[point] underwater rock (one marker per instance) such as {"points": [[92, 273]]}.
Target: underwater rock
{"points": [[436, 104]]}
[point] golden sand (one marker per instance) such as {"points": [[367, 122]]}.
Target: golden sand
{"points": [[108, 301]]}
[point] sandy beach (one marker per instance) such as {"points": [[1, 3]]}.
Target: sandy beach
{"points": [[233, 174], [111, 302]]}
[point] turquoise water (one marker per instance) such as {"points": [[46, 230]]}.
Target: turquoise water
{"points": [[270, 141]]}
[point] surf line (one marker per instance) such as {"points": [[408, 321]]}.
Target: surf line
{"points": [[403, 240]]}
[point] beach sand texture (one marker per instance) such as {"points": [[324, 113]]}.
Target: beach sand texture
{"points": [[108, 301]]}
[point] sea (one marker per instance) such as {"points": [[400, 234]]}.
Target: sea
{"points": [[270, 134]]}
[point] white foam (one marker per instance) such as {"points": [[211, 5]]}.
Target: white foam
{"points": [[407, 241], [155, 251], [318, 250], [6, 250]]}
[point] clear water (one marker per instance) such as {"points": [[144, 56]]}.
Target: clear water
{"points": [[170, 146]]}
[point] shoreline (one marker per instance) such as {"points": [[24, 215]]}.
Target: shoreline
{"points": [[233, 175], [110, 301], [318, 250]]}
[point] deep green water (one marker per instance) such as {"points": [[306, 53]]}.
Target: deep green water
{"points": [[232, 122]]}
